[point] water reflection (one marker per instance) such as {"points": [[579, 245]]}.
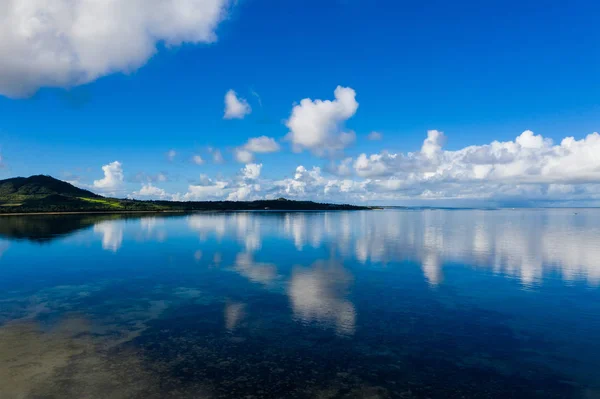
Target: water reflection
{"points": [[3, 247], [112, 234], [263, 273], [341, 304], [318, 294], [521, 243], [234, 314], [152, 227]]}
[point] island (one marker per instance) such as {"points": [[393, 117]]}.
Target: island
{"points": [[43, 194]]}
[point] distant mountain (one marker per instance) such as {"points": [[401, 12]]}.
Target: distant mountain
{"points": [[46, 194]]}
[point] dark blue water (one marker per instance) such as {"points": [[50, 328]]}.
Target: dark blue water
{"points": [[376, 304]]}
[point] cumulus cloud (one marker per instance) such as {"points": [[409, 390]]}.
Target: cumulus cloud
{"points": [[252, 171], [245, 192], [317, 125], [206, 190], [113, 177], [150, 191], [65, 43], [262, 144], [527, 169], [171, 154], [529, 158], [243, 156], [375, 136], [248, 188], [197, 159], [531, 166], [235, 107]]}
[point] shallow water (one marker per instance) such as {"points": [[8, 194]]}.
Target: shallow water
{"points": [[374, 304]]}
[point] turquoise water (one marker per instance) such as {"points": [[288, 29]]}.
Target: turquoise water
{"points": [[374, 304]]}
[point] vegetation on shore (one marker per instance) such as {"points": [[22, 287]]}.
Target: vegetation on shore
{"points": [[45, 194]]}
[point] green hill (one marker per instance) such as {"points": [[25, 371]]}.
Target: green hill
{"points": [[46, 194], [40, 186]]}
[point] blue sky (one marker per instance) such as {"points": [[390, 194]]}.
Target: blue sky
{"points": [[477, 71]]}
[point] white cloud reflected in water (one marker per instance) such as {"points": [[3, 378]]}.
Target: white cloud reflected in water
{"points": [[235, 313], [3, 247], [527, 244], [263, 273], [522, 243], [318, 294], [112, 234]]}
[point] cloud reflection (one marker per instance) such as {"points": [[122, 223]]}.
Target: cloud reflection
{"points": [[263, 273], [522, 243], [318, 294], [112, 234], [526, 243], [3, 247], [234, 314]]}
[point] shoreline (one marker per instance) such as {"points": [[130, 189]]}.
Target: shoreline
{"points": [[182, 212], [88, 213]]}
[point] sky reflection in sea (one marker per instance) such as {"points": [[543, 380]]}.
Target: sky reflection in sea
{"points": [[395, 303]]}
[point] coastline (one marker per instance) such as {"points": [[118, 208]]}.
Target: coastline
{"points": [[91, 213], [182, 212]]}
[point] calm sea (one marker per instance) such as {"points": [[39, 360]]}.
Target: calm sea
{"points": [[369, 304]]}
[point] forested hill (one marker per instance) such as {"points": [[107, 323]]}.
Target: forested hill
{"points": [[46, 194], [39, 186]]}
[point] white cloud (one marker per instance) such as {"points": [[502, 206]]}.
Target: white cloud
{"points": [[252, 171], [433, 143], [317, 125], [65, 43], [197, 159], [217, 157], [150, 191], [529, 159], [520, 172], [247, 189], [262, 144], [207, 190], [244, 192], [374, 165], [235, 107], [375, 136], [531, 167], [243, 156], [171, 154], [113, 177]]}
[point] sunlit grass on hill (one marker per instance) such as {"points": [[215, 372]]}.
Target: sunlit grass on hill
{"points": [[104, 201]]}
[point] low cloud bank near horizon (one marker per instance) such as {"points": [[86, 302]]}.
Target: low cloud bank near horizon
{"points": [[523, 172]]}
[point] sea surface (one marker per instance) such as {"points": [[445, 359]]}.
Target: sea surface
{"points": [[362, 304]]}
